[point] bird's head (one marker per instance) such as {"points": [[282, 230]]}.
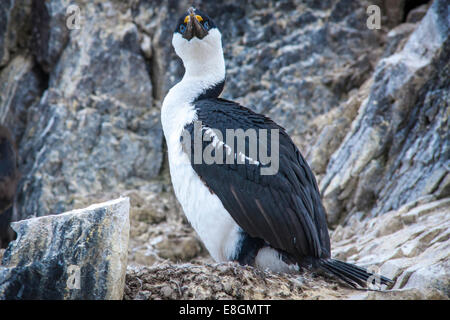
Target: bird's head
{"points": [[197, 40]]}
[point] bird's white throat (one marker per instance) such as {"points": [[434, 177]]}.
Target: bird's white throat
{"points": [[204, 65], [203, 61]]}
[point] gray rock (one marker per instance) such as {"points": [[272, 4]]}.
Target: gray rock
{"points": [[81, 254], [5, 9], [410, 245], [15, 27], [50, 33], [21, 85], [98, 109], [397, 149], [397, 37]]}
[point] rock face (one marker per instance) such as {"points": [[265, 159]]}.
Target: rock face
{"points": [[412, 244], [397, 150], [97, 112], [81, 92], [81, 254], [15, 28]]}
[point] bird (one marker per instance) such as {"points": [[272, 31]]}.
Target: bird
{"points": [[9, 179], [273, 221]]}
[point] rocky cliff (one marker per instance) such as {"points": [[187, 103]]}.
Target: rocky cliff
{"points": [[81, 89]]}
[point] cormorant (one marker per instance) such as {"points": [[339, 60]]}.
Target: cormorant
{"points": [[272, 220]]}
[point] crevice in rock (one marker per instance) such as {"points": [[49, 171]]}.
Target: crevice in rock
{"points": [[155, 75], [150, 63], [411, 5], [43, 76], [40, 18], [405, 279]]}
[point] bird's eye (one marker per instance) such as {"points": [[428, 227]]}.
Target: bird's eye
{"points": [[182, 28], [206, 25]]}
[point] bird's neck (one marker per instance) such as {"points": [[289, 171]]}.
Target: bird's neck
{"points": [[204, 75], [202, 79]]}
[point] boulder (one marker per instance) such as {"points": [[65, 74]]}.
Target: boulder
{"points": [[80, 254]]}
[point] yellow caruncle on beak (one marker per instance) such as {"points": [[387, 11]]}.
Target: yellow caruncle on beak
{"points": [[199, 18]]}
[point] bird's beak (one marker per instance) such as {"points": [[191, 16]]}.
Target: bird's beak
{"points": [[193, 27]]}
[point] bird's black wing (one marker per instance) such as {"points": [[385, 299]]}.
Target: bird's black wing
{"points": [[285, 208]]}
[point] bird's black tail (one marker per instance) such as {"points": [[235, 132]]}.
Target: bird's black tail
{"points": [[351, 274]]}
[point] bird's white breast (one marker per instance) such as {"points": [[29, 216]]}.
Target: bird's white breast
{"points": [[204, 210]]}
